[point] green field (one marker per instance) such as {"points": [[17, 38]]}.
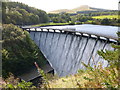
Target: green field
{"points": [[106, 16], [51, 24]]}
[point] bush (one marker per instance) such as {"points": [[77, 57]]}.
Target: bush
{"points": [[106, 21], [71, 23], [13, 83]]}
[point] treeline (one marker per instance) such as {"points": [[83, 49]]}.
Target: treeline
{"points": [[21, 14], [90, 20], [98, 13], [85, 18], [59, 18], [106, 21]]}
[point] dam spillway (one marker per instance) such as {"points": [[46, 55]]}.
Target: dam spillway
{"points": [[66, 51]]}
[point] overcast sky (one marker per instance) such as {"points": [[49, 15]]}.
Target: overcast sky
{"points": [[49, 5]]}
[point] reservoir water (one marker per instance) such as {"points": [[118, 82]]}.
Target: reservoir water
{"points": [[101, 30]]}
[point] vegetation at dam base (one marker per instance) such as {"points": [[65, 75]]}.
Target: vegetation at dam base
{"points": [[94, 77], [19, 52], [91, 77]]}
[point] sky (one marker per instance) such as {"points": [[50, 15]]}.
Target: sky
{"points": [[50, 5]]}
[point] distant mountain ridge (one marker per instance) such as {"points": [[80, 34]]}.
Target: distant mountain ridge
{"points": [[75, 10]]}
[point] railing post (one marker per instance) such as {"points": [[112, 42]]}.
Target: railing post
{"points": [[23, 29], [29, 30], [35, 29], [54, 30], [107, 40], [89, 36], [41, 30], [118, 42], [48, 30], [60, 31], [74, 33], [81, 34]]}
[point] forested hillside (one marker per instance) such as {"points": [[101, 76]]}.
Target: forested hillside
{"points": [[21, 14], [19, 52]]}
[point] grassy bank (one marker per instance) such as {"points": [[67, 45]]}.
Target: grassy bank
{"points": [[106, 16], [73, 23], [50, 24], [90, 78]]}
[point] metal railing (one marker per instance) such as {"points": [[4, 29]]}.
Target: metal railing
{"points": [[71, 31]]}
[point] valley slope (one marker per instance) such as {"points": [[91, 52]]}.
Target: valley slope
{"points": [[75, 10]]}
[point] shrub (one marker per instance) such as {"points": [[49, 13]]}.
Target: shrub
{"points": [[15, 83]]}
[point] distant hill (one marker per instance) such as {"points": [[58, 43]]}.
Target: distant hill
{"points": [[61, 10], [78, 9]]}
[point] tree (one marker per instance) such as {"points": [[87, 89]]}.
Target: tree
{"points": [[19, 52], [60, 18], [15, 17], [106, 21], [21, 14]]}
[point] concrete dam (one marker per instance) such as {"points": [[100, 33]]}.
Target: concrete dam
{"points": [[65, 50]]}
